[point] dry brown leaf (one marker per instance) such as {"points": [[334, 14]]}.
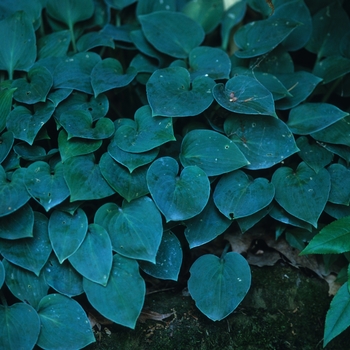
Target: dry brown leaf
{"points": [[152, 315]]}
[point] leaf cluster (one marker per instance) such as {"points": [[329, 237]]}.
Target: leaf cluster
{"points": [[131, 130]]}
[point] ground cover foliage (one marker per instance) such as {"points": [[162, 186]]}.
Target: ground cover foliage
{"points": [[133, 130]]}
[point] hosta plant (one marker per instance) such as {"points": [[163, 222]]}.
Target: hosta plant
{"points": [[132, 130]]}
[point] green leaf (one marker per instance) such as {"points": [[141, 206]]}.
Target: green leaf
{"points": [[136, 229], [19, 319], [64, 324], [13, 193], [30, 253], [75, 72], [5, 106], [93, 259], [319, 116], [109, 74], [145, 133], [97, 107], [47, 186], [337, 211], [17, 43], [131, 161], [25, 125], [62, 277], [332, 68], [296, 11], [178, 197], [242, 94], [57, 96], [84, 179], [259, 37], [80, 124], [337, 133], [338, 315], [206, 226], [170, 93], [340, 184], [236, 195], [147, 6], [2, 274], [35, 87], [6, 143], [18, 224], [314, 155], [168, 259], [209, 61], [121, 300], [302, 193], [67, 232], [212, 152], [226, 284], [329, 25], [129, 185], [263, 141], [75, 147], [207, 13], [24, 285], [163, 31], [119, 4], [248, 222], [55, 44]]}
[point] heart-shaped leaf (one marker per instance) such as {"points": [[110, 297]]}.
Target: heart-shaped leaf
{"points": [[211, 151], [226, 284], [340, 184], [35, 88], [91, 40], [45, 185], [76, 146], [109, 74], [242, 94], [30, 253], [170, 92], [64, 324], [236, 195], [206, 226], [163, 31], [55, 44], [67, 232], [168, 259], [145, 133], [5, 106], [319, 116], [18, 224], [19, 318], [25, 125], [93, 259], [121, 300], [6, 143], [79, 124], [62, 277], [24, 285], [264, 141], [302, 193], [84, 179], [136, 229], [13, 193], [129, 185], [209, 61], [75, 72], [257, 38], [17, 43], [178, 197]]}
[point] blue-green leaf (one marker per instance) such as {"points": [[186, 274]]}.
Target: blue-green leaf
{"points": [[171, 93], [226, 283], [340, 184], [178, 197]]}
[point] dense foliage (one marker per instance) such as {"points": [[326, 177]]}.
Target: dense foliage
{"points": [[132, 130]]}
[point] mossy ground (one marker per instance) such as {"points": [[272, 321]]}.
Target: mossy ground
{"points": [[284, 309]]}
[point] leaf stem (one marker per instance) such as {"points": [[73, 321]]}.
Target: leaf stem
{"points": [[227, 247], [331, 89], [71, 29]]}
